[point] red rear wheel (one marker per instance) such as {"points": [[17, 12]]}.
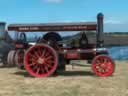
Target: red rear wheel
{"points": [[40, 60], [103, 65]]}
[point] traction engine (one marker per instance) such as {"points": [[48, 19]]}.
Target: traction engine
{"points": [[48, 55]]}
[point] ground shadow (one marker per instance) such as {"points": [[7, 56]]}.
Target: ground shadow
{"points": [[76, 73], [64, 73], [3, 66], [23, 73]]}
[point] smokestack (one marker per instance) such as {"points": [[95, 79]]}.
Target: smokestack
{"points": [[100, 30], [2, 30]]}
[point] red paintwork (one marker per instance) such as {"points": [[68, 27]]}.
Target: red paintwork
{"points": [[72, 55], [18, 46], [77, 53]]}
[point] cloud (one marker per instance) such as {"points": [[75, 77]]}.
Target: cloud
{"points": [[113, 22], [53, 1], [115, 25], [122, 27]]}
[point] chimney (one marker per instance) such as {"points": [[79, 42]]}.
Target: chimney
{"points": [[100, 30], [2, 30]]}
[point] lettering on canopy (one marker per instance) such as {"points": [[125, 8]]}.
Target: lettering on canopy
{"points": [[51, 27]]}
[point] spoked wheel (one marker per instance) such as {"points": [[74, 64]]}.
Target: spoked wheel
{"points": [[103, 65], [40, 60], [19, 58], [10, 58]]}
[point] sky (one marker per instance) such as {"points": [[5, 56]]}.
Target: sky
{"points": [[44, 11]]}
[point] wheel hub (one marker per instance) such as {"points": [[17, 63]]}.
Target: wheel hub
{"points": [[103, 65], [40, 61]]}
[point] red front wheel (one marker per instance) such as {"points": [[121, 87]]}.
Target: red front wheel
{"points": [[40, 60], [103, 66]]}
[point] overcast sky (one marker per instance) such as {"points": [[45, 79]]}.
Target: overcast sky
{"points": [[41, 11]]}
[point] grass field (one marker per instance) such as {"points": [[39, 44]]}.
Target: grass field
{"points": [[79, 81]]}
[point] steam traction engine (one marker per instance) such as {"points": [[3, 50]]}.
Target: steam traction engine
{"points": [[49, 55]]}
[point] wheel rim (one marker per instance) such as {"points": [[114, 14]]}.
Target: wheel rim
{"points": [[19, 57], [40, 60], [103, 66]]}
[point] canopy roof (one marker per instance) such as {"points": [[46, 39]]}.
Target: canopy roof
{"points": [[79, 26]]}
